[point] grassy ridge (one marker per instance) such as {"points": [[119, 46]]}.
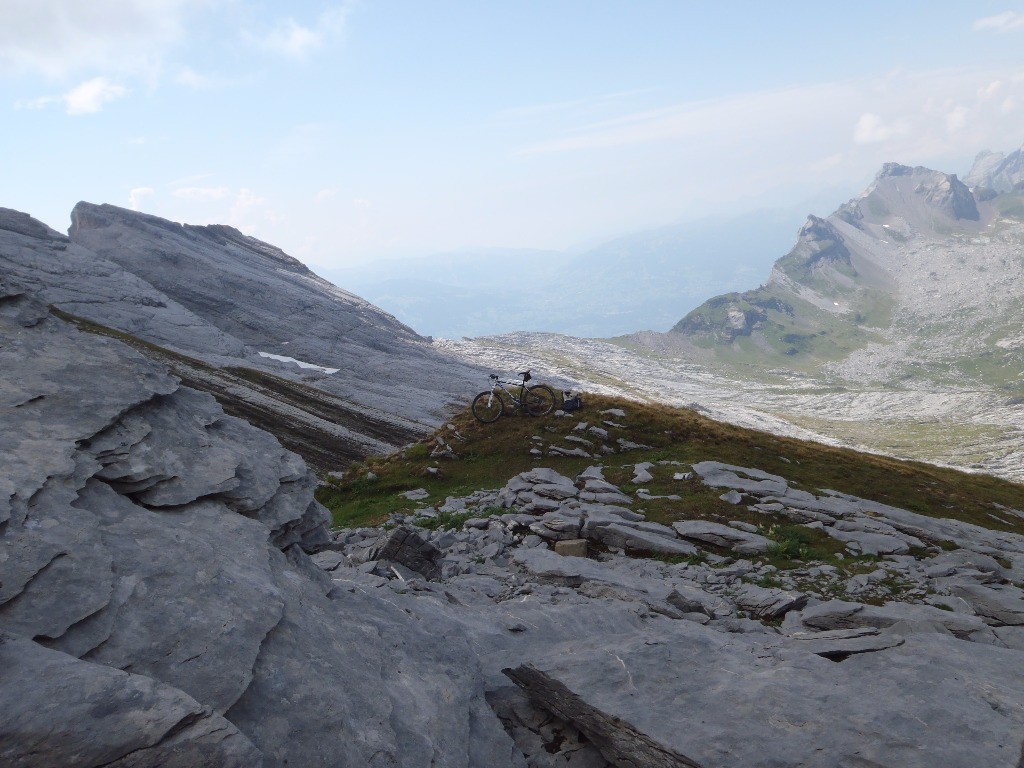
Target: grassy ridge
{"points": [[491, 454]]}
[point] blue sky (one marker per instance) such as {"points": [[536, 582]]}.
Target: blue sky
{"points": [[348, 132]]}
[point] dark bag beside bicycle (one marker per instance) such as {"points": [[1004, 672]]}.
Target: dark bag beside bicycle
{"points": [[571, 402]]}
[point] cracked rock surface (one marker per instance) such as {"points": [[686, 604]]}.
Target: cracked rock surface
{"points": [[622, 659], [157, 602]]}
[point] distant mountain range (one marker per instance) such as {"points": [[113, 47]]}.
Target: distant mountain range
{"points": [[894, 324], [920, 276], [638, 281]]}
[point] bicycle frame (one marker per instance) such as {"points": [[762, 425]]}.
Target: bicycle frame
{"points": [[517, 400]]}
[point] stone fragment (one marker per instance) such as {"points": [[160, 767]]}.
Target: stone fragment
{"points": [[571, 547], [556, 450], [406, 546], [641, 474], [765, 603]]}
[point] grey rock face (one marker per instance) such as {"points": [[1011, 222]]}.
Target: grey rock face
{"points": [[353, 414], [996, 171], [79, 281], [62, 711], [298, 314], [142, 530], [645, 702]]}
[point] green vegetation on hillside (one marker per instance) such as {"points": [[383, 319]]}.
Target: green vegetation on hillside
{"points": [[489, 455]]}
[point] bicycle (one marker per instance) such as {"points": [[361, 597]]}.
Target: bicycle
{"points": [[536, 400]]}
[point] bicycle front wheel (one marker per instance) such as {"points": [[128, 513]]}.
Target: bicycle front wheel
{"points": [[487, 407], [540, 400]]}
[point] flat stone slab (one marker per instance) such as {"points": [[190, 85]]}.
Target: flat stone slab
{"points": [[766, 603], [722, 536], [744, 479], [839, 648], [840, 614], [691, 696], [999, 606], [636, 540]]}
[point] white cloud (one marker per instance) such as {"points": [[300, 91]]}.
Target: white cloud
{"points": [[293, 40], [190, 180], [245, 204], [990, 90], [1001, 22], [62, 38], [326, 194], [202, 193], [92, 95], [84, 99], [872, 129], [136, 196]]}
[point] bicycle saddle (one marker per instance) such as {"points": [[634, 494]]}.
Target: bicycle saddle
{"points": [[525, 375]]}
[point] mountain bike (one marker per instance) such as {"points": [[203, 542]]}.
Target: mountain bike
{"points": [[535, 400]]}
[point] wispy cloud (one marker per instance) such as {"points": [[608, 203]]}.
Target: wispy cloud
{"points": [[137, 195], [293, 40], [546, 109], [201, 193], [901, 114], [871, 129], [59, 38], [1007, 21], [84, 99], [92, 95]]}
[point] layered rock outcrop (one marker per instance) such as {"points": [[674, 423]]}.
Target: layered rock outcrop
{"points": [[157, 603]]}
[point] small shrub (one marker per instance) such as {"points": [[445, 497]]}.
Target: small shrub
{"points": [[418, 452], [792, 543]]}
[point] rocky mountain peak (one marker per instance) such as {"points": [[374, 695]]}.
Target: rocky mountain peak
{"points": [[915, 194], [818, 244], [22, 224], [997, 171], [89, 216], [226, 236]]}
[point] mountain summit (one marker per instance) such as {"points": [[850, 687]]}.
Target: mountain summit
{"points": [[996, 171], [334, 376], [919, 275]]}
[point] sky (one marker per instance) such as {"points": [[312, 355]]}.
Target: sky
{"points": [[348, 132]]}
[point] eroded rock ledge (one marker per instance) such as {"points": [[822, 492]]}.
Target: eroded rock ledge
{"points": [[157, 602]]}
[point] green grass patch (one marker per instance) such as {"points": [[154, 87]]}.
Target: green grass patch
{"points": [[492, 454]]}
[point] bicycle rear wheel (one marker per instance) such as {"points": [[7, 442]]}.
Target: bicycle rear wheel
{"points": [[488, 407], [540, 400]]}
